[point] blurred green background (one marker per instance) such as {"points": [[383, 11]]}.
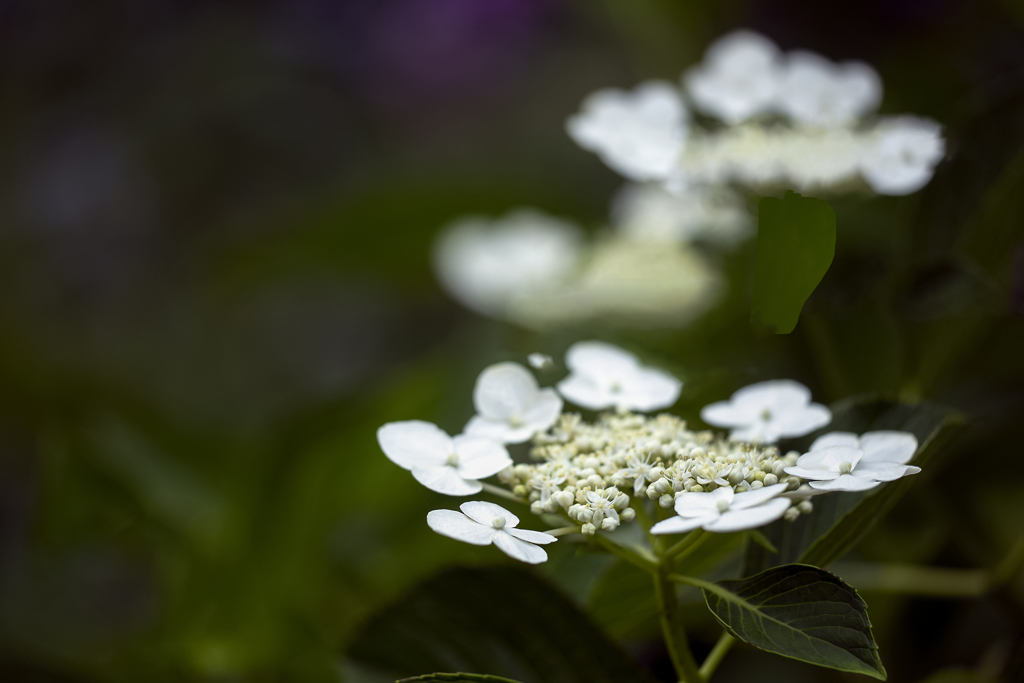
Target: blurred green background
{"points": [[216, 285]]}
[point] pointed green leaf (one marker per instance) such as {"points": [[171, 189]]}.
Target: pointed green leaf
{"points": [[796, 240], [800, 612], [501, 621]]}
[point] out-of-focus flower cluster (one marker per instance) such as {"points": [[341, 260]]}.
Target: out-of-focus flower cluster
{"points": [[796, 118], [598, 475]]}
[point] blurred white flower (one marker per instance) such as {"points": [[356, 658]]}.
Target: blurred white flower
{"points": [[441, 463], [650, 213], [540, 361], [738, 79], [482, 523], [817, 92], [723, 510], [629, 282], [638, 134], [767, 411], [487, 264], [903, 155], [510, 406], [605, 376], [841, 461]]}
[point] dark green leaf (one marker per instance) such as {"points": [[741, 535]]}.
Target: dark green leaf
{"points": [[839, 521], [800, 612], [796, 240], [457, 678], [495, 620]]}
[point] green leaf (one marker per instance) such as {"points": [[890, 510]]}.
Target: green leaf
{"points": [[840, 520], [800, 612], [796, 240], [495, 620], [457, 678]]}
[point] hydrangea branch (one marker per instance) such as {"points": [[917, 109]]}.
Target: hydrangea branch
{"points": [[717, 654]]}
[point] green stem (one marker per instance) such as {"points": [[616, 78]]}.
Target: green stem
{"points": [[688, 543], [717, 654], [638, 557], [673, 629], [504, 493], [562, 531], [644, 520]]}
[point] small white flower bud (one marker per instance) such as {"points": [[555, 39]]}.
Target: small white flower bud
{"points": [[592, 463], [779, 468], [794, 483], [805, 507], [519, 491], [770, 479], [609, 524], [656, 473], [621, 501], [588, 529], [791, 514], [536, 508], [563, 498], [585, 515], [756, 485], [618, 480], [666, 501], [736, 475], [598, 517], [551, 505], [791, 458], [652, 492], [662, 485], [689, 483], [595, 480], [522, 471], [507, 474], [696, 488], [627, 515]]}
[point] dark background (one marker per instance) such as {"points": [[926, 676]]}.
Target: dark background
{"points": [[215, 284]]}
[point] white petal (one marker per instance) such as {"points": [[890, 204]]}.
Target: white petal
{"points": [[888, 446], [601, 360], [773, 394], [483, 512], [725, 414], [830, 458], [697, 504], [885, 471], [846, 482], [414, 443], [540, 361], [650, 389], [584, 392], [547, 406], [847, 439], [749, 518], [531, 536], [496, 430], [813, 474], [759, 432], [519, 550], [678, 525], [803, 420], [738, 78], [754, 497], [456, 525], [446, 480], [504, 390], [479, 458]]}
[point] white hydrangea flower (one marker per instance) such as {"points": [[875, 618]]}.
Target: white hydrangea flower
{"points": [[606, 376], [841, 461], [487, 264], [767, 411], [723, 510], [638, 134], [650, 213], [540, 361], [738, 79], [818, 92], [510, 406], [441, 463], [903, 155], [482, 523]]}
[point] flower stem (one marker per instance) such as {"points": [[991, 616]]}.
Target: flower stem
{"points": [[504, 493], [637, 557], [673, 629], [688, 542], [717, 654], [561, 531]]}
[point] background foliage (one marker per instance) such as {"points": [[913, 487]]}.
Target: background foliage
{"points": [[216, 285]]}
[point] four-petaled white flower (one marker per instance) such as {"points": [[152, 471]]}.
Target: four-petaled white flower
{"points": [[818, 92], [840, 461], [605, 376], [488, 264], [767, 411], [724, 510], [441, 463], [510, 406], [904, 155], [738, 79], [482, 523], [638, 134]]}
